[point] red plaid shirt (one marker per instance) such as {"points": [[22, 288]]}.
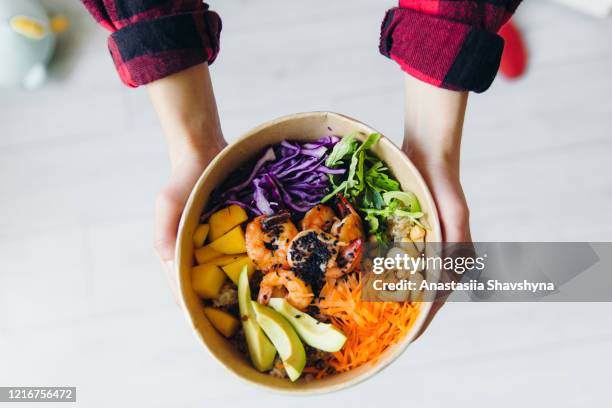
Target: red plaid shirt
{"points": [[448, 43]]}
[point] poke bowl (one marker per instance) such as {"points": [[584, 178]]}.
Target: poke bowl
{"points": [[270, 246]]}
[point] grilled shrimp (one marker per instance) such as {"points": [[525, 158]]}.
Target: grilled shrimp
{"points": [[349, 231], [319, 217], [314, 253], [283, 283], [267, 240], [347, 260], [311, 251], [349, 228], [320, 249]]}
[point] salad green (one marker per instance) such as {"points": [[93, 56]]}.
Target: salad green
{"points": [[368, 185]]}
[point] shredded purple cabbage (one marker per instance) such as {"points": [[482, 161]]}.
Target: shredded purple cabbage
{"points": [[288, 176]]}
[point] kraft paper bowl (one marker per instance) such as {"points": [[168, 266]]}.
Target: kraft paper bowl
{"points": [[302, 127]]}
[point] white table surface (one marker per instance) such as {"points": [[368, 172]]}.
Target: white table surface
{"points": [[83, 300]]}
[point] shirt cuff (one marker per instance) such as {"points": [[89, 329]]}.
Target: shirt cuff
{"points": [[152, 49], [445, 53]]}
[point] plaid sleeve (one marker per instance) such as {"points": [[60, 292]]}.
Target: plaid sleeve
{"points": [[152, 39], [451, 44]]}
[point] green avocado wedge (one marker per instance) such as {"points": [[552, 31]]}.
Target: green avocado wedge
{"points": [[261, 350], [319, 335], [285, 339]]}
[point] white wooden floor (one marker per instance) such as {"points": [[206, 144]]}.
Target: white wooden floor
{"points": [[82, 298]]}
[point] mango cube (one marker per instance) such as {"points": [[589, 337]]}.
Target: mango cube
{"points": [[223, 321], [206, 254], [230, 243], [224, 260], [199, 235], [206, 280], [225, 219], [234, 269]]}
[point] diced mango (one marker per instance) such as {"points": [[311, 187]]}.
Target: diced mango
{"points": [[225, 219], [207, 280], [222, 321], [231, 242], [206, 254], [234, 269], [224, 260], [199, 235]]}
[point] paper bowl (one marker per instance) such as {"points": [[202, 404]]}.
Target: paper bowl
{"points": [[302, 127]]}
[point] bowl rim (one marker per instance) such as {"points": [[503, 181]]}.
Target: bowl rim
{"points": [[376, 367]]}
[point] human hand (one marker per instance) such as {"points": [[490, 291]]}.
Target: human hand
{"points": [[433, 130], [442, 178], [171, 201], [187, 110]]}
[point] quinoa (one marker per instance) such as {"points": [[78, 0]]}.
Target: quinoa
{"points": [[228, 296], [399, 227], [278, 369]]}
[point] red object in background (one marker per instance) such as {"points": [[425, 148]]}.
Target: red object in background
{"points": [[514, 58]]}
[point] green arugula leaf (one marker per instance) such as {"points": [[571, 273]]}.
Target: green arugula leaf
{"points": [[368, 199], [370, 141], [378, 200], [373, 223], [369, 186], [356, 168], [345, 147], [376, 178]]}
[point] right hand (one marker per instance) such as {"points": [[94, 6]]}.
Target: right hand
{"points": [[187, 110], [171, 201]]}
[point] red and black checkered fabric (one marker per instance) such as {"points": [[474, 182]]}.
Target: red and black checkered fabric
{"points": [[152, 39], [448, 43], [451, 44]]}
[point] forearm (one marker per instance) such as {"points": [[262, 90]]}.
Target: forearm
{"points": [[433, 123], [187, 110], [185, 104]]}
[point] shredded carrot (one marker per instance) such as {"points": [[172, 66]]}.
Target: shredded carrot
{"points": [[371, 327]]}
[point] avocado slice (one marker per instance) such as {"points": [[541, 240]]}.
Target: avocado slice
{"points": [[261, 350], [284, 338], [319, 335]]}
